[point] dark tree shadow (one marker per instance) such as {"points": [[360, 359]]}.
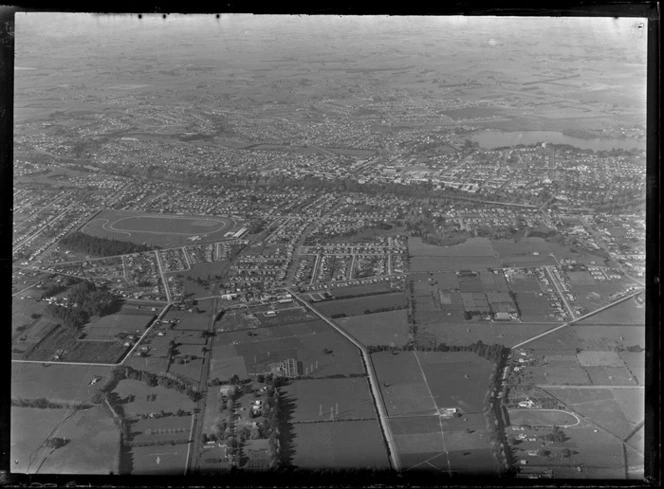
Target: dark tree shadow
{"points": [[286, 432]]}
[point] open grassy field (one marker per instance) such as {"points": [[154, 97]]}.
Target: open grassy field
{"points": [[558, 375], [130, 321], [475, 253], [444, 280], [598, 294], [542, 417], [617, 410], [162, 230], [626, 312], [446, 263], [306, 342], [23, 322], [534, 308], [32, 335], [630, 401], [61, 383], [339, 445], [190, 320], [635, 362], [357, 306], [29, 429], [159, 460], [93, 447], [607, 414], [378, 287], [471, 284], [378, 329], [599, 359], [405, 425], [168, 400], [608, 337], [473, 247], [308, 397], [520, 282], [610, 376], [504, 333], [161, 429], [456, 379], [189, 370], [402, 385], [225, 362]]}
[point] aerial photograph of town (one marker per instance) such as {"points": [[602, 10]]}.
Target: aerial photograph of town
{"points": [[317, 245]]}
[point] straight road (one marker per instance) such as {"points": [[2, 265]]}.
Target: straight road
{"points": [[580, 318], [21, 242], [186, 258], [27, 288], [373, 382], [197, 418], [561, 293], [163, 277]]}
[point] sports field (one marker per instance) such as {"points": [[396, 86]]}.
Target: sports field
{"points": [[542, 417], [159, 460], [382, 328], [339, 445], [164, 230]]}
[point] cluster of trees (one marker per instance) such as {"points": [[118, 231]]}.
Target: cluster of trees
{"points": [[255, 226], [56, 442], [557, 435], [167, 381], [93, 245], [85, 299], [151, 379], [96, 301], [53, 289], [71, 317], [385, 309], [329, 297]]}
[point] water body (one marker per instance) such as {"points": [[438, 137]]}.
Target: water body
{"points": [[496, 139]]}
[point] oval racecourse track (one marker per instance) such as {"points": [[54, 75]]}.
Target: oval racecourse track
{"points": [[178, 225], [543, 417]]}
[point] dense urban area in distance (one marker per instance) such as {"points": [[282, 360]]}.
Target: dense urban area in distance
{"points": [[312, 244]]}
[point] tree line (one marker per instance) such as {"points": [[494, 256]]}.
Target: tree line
{"points": [[94, 245], [493, 353]]}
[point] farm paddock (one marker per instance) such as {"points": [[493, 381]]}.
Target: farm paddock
{"points": [[339, 445]]}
